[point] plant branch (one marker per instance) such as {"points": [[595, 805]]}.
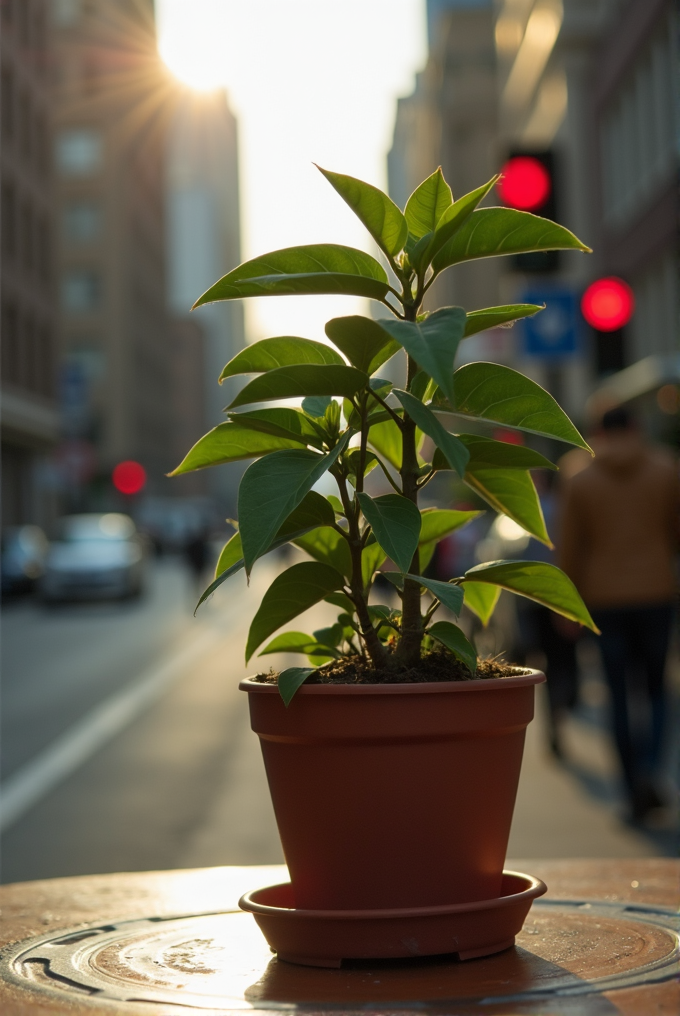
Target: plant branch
{"points": [[382, 465], [395, 416], [374, 646]]}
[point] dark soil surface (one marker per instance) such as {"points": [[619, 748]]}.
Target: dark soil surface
{"points": [[435, 666]]}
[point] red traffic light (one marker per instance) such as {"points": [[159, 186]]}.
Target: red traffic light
{"points": [[608, 304], [525, 183], [129, 477]]}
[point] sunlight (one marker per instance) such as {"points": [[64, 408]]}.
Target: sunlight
{"points": [[309, 82]]}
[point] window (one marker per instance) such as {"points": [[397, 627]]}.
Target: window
{"points": [[81, 222], [79, 152], [80, 291]]}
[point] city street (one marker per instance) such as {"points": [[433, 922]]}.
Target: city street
{"points": [[126, 744]]}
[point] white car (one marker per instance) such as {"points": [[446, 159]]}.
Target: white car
{"points": [[100, 556]]}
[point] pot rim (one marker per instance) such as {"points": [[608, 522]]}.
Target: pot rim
{"points": [[252, 686], [533, 887]]}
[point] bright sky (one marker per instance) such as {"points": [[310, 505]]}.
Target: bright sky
{"points": [[310, 81]]}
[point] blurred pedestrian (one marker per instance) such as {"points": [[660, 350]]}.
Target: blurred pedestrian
{"points": [[554, 636], [197, 556], [617, 541]]}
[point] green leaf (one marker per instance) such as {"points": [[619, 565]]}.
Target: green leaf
{"points": [[451, 596], [312, 269], [455, 452], [290, 594], [365, 344], [481, 598], [231, 554], [330, 637], [490, 391], [302, 380], [316, 406], [297, 642], [340, 600], [512, 492], [449, 224], [395, 522], [487, 453], [271, 488], [352, 460], [427, 204], [279, 352], [439, 522], [230, 442], [432, 343], [538, 581], [492, 317], [291, 680], [329, 547], [386, 438], [281, 421], [313, 511], [379, 214], [489, 232], [452, 637], [372, 557]]}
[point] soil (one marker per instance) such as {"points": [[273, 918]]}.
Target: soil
{"points": [[434, 666]]}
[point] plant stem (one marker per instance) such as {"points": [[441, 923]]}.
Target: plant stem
{"points": [[374, 646], [408, 650]]}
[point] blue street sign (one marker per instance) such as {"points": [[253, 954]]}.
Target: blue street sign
{"points": [[552, 333]]}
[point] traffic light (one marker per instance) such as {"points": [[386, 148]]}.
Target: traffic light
{"points": [[528, 184], [608, 304], [129, 477]]}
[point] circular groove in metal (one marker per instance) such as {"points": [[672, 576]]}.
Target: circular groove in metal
{"points": [[220, 961]]}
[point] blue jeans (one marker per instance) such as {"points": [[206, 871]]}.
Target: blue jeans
{"points": [[634, 646]]}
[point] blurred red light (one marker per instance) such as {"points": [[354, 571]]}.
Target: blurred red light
{"points": [[608, 304], [129, 477], [525, 183]]}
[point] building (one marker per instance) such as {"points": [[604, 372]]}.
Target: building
{"points": [[30, 423], [634, 110], [204, 243], [113, 104], [590, 85]]}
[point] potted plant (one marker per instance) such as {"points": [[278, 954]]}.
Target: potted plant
{"points": [[393, 756]]}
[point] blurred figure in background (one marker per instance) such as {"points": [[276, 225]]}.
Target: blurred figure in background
{"points": [[553, 635], [197, 556], [617, 541]]}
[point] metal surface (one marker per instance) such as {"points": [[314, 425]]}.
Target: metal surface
{"points": [[221, 962]]}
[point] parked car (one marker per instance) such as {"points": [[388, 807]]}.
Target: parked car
{"points": [[24, 549], [98, 556]]}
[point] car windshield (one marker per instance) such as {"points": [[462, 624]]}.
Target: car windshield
{"points": [[96, 528]]}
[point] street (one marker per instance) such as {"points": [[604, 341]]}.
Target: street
{"points": [[126, 744]]}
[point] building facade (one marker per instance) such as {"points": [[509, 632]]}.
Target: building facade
{"points": [[634, 103], [30, 422], [113, 104], [204, 243], [593, 86]]}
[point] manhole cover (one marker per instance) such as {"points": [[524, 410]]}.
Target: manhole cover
{"points": [[221, 962]]}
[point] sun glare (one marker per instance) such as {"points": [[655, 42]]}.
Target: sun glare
{"points": [[309, 82]]}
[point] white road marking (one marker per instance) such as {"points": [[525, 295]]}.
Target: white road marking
{"points": [[21, 791]]}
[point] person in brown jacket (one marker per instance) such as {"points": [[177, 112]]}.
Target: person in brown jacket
{"points": [[617, 541]]}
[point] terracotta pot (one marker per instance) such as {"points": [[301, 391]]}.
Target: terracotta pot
{"points": [[394, 795]]}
